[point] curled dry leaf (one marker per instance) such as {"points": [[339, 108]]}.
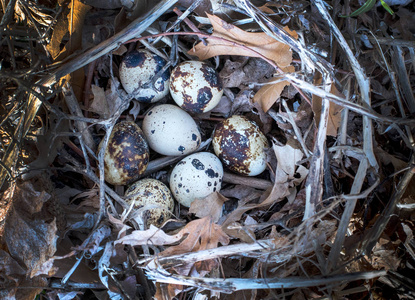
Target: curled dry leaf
{"points": [[201, 234], [197, 235], [271, 92], [30, 230], [261, 43], [287, 168], [208, 206], [105, 103], [69, 23], [152, 236]]}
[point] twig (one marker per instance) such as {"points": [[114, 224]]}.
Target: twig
{"points": [[8, 15], [142, 278], [389, 41], [342, 133], [406, 88], [74, 109], [405, 83], [186, 20], [256, 183]]}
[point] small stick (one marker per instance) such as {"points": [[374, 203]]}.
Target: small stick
{"points": [[186, 20], [256, 183], [88, 82], [74, 108]]}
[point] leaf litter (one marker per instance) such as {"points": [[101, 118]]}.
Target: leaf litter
{"points": [[333, 210]]}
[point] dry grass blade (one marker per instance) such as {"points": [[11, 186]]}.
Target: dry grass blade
{"points": [[237, 284]]}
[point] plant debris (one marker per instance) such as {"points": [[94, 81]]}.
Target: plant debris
{"points": [[331, 86]]}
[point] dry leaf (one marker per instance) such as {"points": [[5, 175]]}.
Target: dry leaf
{"points": [[208, 206], [197, 235], [105, 103], [287, 157], [99, 104], [270, 93], [153, 236], [167, 291], [260, 42], [202, 234], [67, 38], [334, 110], [68, 24], [30, 231]]}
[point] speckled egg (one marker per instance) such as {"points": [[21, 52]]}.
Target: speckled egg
{"points": [[127, 154], [137, 71], [154, 195], [196, 176], [240, 145], [169, 130], [195, 86]]}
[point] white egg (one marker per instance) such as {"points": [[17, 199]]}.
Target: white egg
{"points": [[127, 154], [170, 130], [154, 195], [240, 145], [196, 176], [137, 71], [195, 86]]}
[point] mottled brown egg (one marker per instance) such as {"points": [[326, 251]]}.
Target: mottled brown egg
{"points": [[240, 145], [154, 198], [195, 86], [137, 73], [127, 154]]}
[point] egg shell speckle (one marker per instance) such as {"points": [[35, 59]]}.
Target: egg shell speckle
{"points": [[240, 145], [127, 154], [137, 70], [196, 176], [170, 130], [151, 192], [195, 86]]}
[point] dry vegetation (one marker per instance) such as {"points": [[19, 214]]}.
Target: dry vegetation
{"points": [[331, 217]]}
